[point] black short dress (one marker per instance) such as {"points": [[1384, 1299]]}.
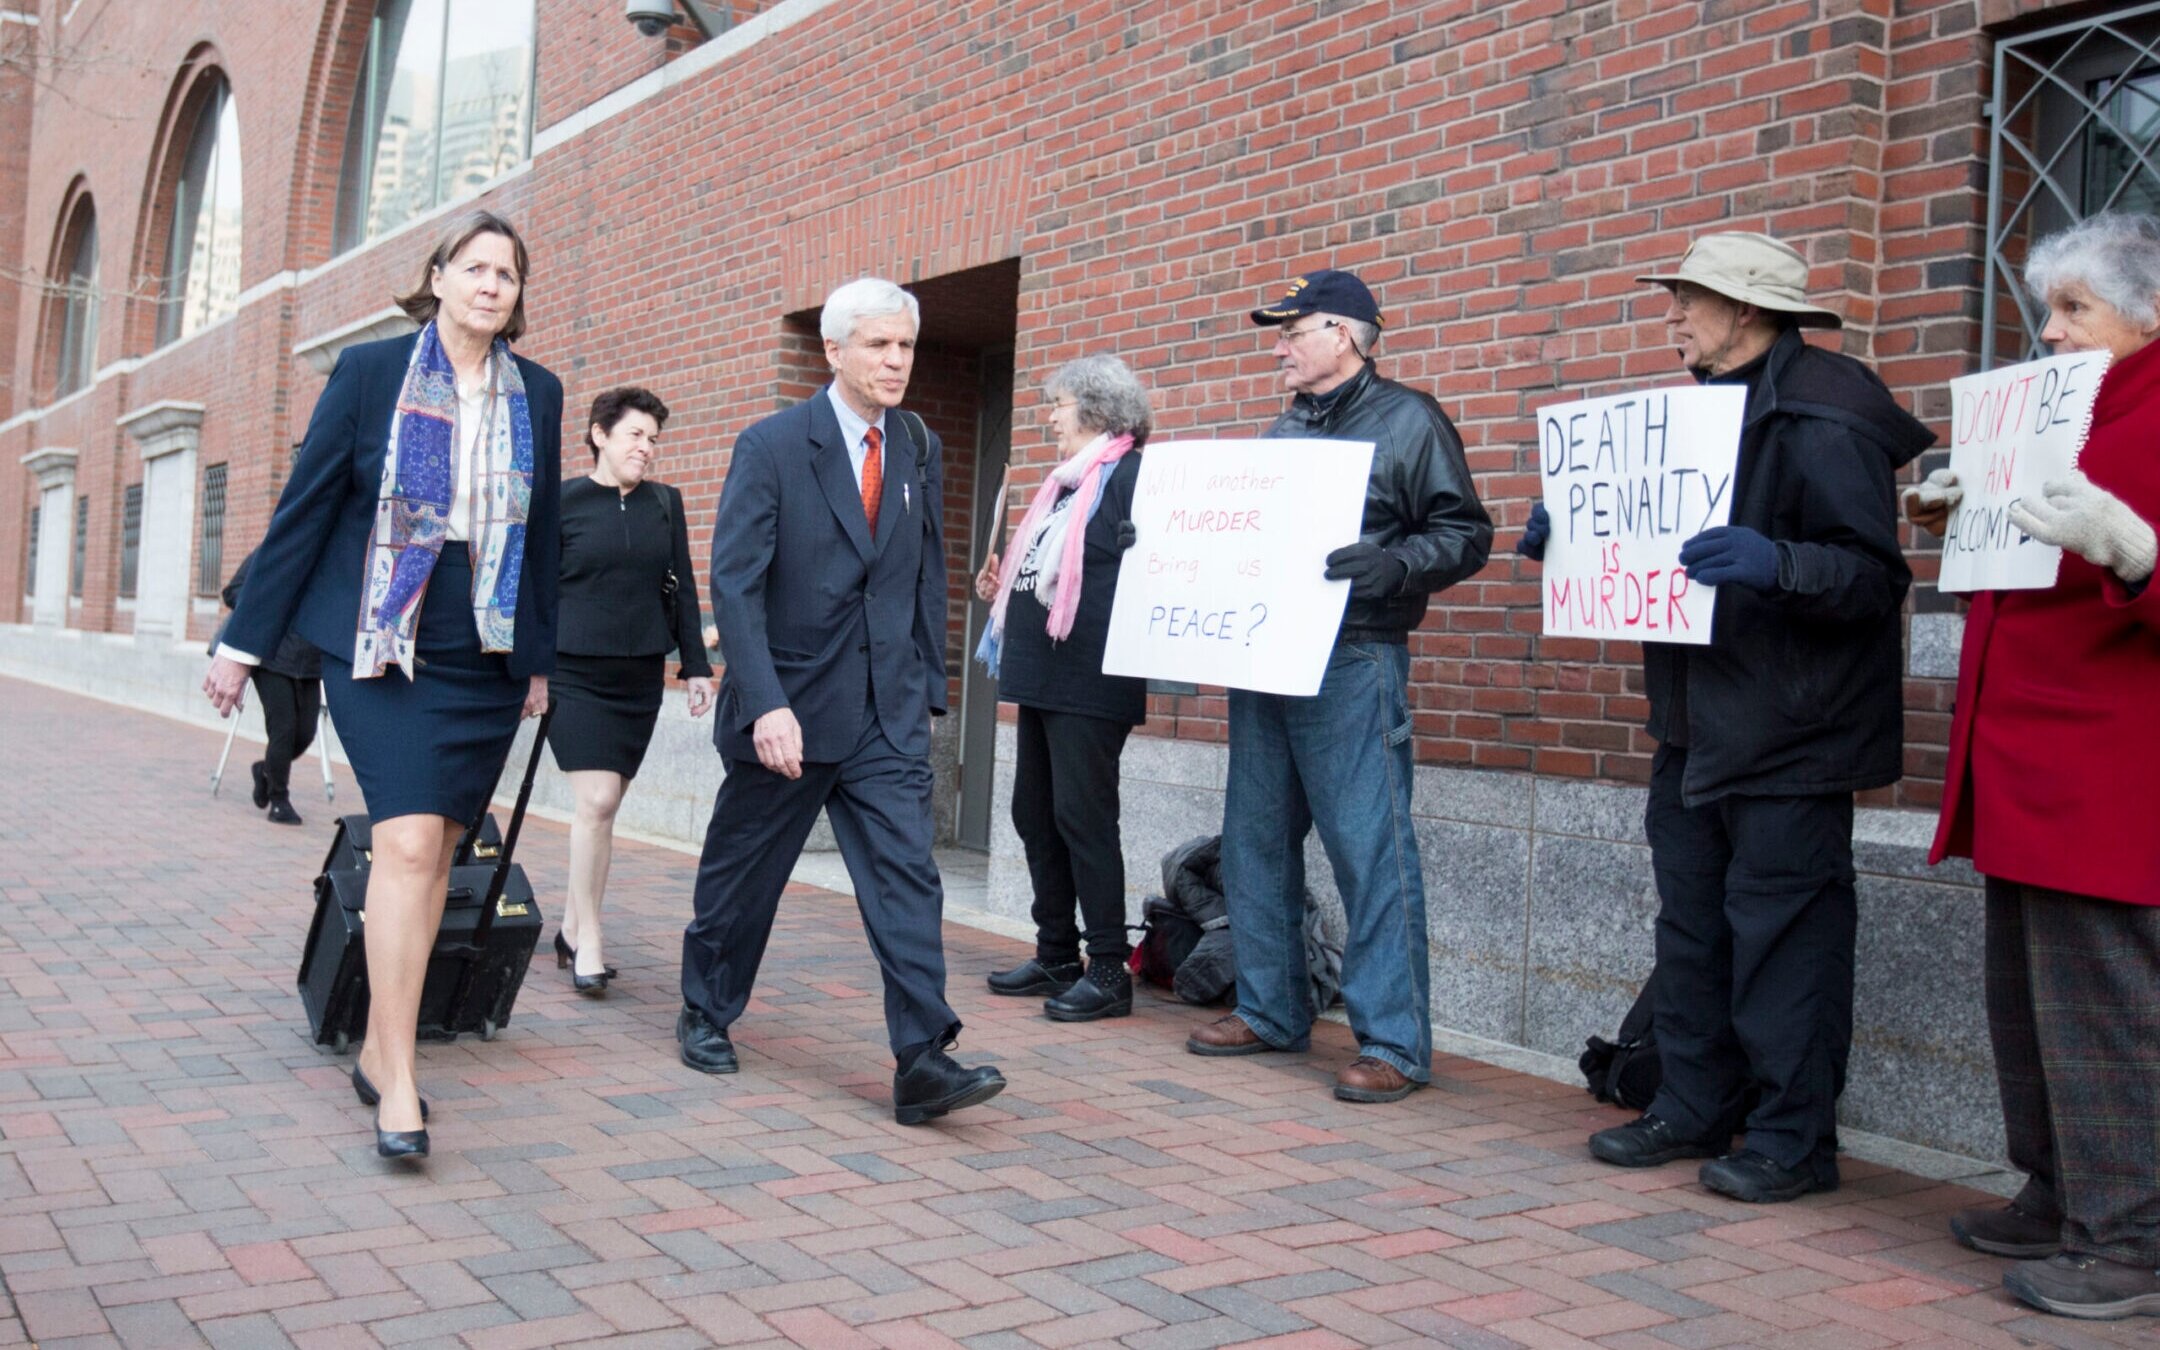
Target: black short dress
{"points": [[611, 651]]}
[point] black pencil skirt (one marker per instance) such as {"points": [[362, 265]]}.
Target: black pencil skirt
{"points": [[432, 745], [605, 708]]}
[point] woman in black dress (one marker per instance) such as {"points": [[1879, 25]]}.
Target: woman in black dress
{"points": [[628, 597], [416, 545], [1050, 619]]}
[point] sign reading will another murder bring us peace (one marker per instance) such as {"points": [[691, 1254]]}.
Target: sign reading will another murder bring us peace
{"points": [[1225, 583], [1628, 480]]}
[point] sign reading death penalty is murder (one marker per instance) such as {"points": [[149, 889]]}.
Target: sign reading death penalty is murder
{"points": [[1224, 584], [2011, 430], [1628, 480]]}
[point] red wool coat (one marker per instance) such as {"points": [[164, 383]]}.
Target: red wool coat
{"points": [[2054, 773]]}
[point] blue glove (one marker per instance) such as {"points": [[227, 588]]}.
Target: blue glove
{"points": [[1731, 554], [1536, 534]]}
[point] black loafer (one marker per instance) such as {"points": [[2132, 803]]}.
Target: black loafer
{"points": [[934, 1085], [1758, 1180], [705, 1047], [2006, 1230], [1647, 1141], [1033, 979]]}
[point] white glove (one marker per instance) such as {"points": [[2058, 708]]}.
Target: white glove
{"points": [[2091, 522], [1938, 489]]}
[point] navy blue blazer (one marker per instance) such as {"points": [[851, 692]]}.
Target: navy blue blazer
{"points": [[306, 573], [815, 615]]}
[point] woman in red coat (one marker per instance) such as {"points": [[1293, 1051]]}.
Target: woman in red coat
{"points": [[2051, 791]]}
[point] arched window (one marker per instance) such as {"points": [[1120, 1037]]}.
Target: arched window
{"points": [[78, 286], [202, 253], [443, 106]]}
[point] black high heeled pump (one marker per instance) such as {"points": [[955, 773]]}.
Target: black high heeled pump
{"points": [[589, 985], [368, 1096], [400, 1143]]}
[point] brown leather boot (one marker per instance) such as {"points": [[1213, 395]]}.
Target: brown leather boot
{"points": [[1227, 1036], [1366, 1079]]}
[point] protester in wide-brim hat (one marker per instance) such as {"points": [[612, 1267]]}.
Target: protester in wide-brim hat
{"points": [[1765, 734], [2049, 790]]}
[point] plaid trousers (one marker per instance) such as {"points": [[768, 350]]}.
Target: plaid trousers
{"points": [[2073, 1004]]}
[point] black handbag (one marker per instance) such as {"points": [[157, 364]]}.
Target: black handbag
{"points": [[490, 926], [670, 583]]}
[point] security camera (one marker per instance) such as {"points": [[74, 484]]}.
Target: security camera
{"points": [[650, 17]]}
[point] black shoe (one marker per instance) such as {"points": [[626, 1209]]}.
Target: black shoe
{"points": [[281, 811], [705, 1047], [400, 1143], [2006, 1230], [262, 784], [1749, 1176], [2078, 1284], [592, 986], [1647, 1141], [1105, 992], [367, 1094], [934, 1084], [1033, 979]]}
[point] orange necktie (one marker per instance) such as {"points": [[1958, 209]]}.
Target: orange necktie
{"points": [[873, 477]]}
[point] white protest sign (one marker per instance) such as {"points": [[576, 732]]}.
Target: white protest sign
{"points": [[2011, 430], [1629, 479], [1225, 584]]}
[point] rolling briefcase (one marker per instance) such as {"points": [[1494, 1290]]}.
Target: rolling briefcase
{"points": [[353, 841], [491, 923]]}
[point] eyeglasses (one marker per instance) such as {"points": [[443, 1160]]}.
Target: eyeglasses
{"points": [[1293, 334]]}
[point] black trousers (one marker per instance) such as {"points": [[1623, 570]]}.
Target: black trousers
{"points": [[1065, 809], [291, 708], [1756, 925], [878, 800], [2073, 1005]]}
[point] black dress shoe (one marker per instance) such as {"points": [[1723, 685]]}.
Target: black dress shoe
{"points": [[367, 1094], [1032, 979], [1106, 992], [1647, 1141], [1758, 1180], [281, 811], [934, 1085], [262, 784], [400, 1143], [705, 1047]]}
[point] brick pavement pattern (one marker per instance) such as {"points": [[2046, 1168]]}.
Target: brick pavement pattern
{"points": [[179, 1166]]}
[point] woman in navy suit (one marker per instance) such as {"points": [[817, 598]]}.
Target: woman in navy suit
{"points": [[418, 544]]}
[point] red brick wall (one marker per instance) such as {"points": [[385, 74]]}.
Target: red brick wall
{"points": [[1500, 172]]}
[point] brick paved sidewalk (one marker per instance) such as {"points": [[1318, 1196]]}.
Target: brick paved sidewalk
{"points": [[178, 1166]]}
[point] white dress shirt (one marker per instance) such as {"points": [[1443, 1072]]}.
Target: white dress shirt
{"points": [[855, 431]]}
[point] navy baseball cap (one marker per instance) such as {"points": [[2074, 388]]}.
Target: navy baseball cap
{"points": [[1323, 292]]}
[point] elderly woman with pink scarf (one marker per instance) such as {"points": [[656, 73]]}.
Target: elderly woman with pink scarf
{"points": [[1050, 615]]}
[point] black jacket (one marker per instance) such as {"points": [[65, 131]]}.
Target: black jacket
{"points": [[1801, 689], [1419, 502], [1068, 676], [616, 553]]}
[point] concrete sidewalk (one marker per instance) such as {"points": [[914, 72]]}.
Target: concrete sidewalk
{"points": [[178, 1166]]}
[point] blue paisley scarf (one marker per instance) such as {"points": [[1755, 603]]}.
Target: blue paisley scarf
{"points": [[412, 514]]}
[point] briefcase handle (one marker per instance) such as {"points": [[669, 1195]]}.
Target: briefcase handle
{"points": [[501, 875]]}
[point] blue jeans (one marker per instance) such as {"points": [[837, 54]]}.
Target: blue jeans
{"points": [[1339, 760]]}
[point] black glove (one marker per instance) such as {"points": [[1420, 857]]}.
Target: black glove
{"points": [[1127, 535], [1536, 534], [1373, 572]]}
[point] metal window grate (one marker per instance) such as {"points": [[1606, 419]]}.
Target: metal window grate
{"points": [[29, 586], [210, 576], [130, 540], [82, 548], [2075, 131]]}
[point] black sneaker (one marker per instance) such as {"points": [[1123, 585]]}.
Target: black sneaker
{"points": [[1759, 1180], [1105, 992], [2076, 1284], [2006, 1230], [1647, 1141], [1033, 979]]}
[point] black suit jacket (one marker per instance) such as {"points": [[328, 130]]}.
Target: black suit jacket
{"points": [[616, 553], [306, 573], [815, 614]]}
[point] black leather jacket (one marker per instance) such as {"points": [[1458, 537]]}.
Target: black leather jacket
{"points": [[1419, 502]]}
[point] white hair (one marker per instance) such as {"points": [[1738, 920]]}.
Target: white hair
{"points": [[1363, 335], [2115, 253], [864, 298]]}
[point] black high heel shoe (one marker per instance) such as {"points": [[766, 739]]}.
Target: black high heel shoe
{"points": [[400, 1143], [590, 985], [368, 1096]]}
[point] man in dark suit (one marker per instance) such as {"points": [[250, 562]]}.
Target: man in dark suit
{"points": [[828, 586]]}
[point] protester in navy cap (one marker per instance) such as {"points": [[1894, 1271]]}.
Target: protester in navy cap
{"points": [[1341, 758]]}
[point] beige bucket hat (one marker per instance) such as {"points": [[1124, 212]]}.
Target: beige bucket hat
{"points": [[1753, 269]]}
